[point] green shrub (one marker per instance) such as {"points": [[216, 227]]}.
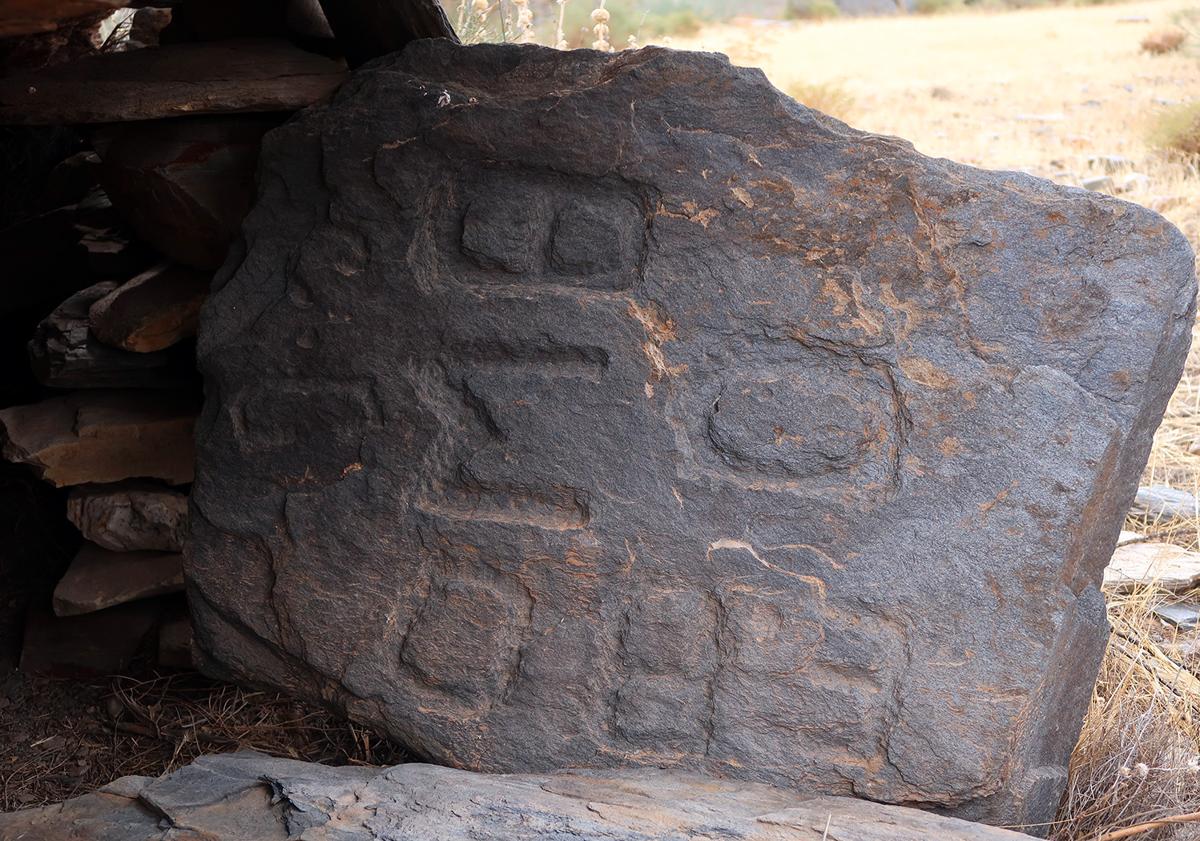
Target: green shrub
{"points": [[1178, 130], [811, 10]]}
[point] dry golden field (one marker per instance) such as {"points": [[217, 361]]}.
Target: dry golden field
{"points": [[1049, 91], [1041, 90]]}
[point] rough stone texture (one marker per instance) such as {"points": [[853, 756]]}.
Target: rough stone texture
{"points": [[130, 516], [620, 410], [99, 578], [252, 797], [64, 354], [154, 310], [103, 436]]}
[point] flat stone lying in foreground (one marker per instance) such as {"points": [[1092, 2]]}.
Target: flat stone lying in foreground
{"points": [[251, 797], [579, 410]]}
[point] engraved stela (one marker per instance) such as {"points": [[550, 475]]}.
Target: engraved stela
{"points": [[621, 411]]}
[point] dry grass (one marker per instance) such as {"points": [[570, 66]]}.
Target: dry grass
{"points": [[1163, 41], [1178, 131], [1041, 90], [1138, 758], [71, 738], [1064, 93], [828, 97]]}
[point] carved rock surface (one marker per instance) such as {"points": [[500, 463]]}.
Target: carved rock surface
{"points": [[620, 410], [251, 797], [130, 516]]}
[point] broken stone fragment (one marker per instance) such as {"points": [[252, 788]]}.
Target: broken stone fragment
{"points": [[183, 185], [104, 436], [1162, 502], [153, 311], [130, 516], [251, 797], [93, 644], [64, 353], [99, 578], [1162, 565], [46, 259], [1184, 616]]}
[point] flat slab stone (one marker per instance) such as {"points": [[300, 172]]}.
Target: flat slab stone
{"points": [[251, 797], [570, 409], [1161, 502], [179, 80], [1183, 616], [99, 578], [103, 436], [1146, 564], [130, 516]]}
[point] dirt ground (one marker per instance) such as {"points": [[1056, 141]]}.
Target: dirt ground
{"points": [[63, 738]]}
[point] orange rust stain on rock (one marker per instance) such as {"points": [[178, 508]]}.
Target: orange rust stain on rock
{"points": [[985, 507], [691, 212], [922, 371], [658, 325], [832, 290], [951, 446]]}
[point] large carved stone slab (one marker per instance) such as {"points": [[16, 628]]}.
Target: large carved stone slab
{"points": [[250, 797], [572, 409]]}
